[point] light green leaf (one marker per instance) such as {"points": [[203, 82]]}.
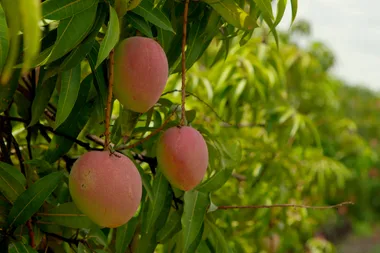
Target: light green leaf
{"points": [[111, 38], [195, 208], [221, 244], [139, 23], [67, 215], [4, 42], [83, 249], [33, 198], [61, 9], [154, 15], [294, 9], [70, 85], [265, 7]]}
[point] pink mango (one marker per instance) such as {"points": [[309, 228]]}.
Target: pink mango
{"points": [[182, 157], [107, 188], [140, 73]]}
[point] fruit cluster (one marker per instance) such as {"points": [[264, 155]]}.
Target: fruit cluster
{"points": [[107, 187]]}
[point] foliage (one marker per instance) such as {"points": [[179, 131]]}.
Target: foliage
{"points": [[278, 126]]}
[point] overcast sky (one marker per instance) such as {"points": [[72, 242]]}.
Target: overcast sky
{"points": [[351, 28]]}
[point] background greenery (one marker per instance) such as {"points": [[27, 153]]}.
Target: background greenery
{"points": [[280, 128]]}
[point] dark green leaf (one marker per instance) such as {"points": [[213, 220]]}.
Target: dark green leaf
{"points": [[195, 208], [71, 31], [67, 215], [221, 244], [97, 236], [83, 249], [154, 15], [294, 9], [139, 23], [33, 198], [70, 85], [10, 184], [127, 120], [8, 90], [61, 9], [281, 6], [111, 38], [172, 226], [124, 235], [19, 247], [44, 91]]}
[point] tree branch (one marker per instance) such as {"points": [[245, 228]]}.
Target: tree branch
{"points": [[31, 233], [285, 205], [109, 101], [183, 93]]}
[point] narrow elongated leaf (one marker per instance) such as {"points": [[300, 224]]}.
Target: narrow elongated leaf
{"points": [[33, 198], [154, 15], [216, 181], [127, 120], [11, 11], [139, 23], [61, 9], [195, 208], [19, 247], [4, 42], [70, 85], [10, 186], [233, 14], [281, 6], [45, 89], [67, 215], [172, 226], [124, 235], [71, 31], [97, 236], [111, 38], [14, 172], [30, 12], [8, 90], [161, 192], [221, 244], [72, 125], [294, 9], [265, 7]]}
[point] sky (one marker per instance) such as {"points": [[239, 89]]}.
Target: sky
{"points": [[351, 29]]}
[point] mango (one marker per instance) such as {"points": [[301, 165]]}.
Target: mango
{"points": [[182, 156], [106, 187], [140, 73]]}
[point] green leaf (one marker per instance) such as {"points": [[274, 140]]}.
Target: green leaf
{"points": [[71, 31], [124, 235], [233, 14], [72, 125], [14, 172], [11, 11], [32, 199], [294, 9], [154, 15], [216, 181], [70, 85], [19, 247], [8, 90], [281, 6], [4, 42], [44, 91], [265, 7], [111, 38], [127, 120], [67, 215], [221, 244], [61, 9], [145, 180], [30, 13], [83, 249], [10, 185], [139, 23], [172, 226], [195, 208], [97, 236], [161, 193]]}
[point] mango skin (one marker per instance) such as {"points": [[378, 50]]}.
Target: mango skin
{"points": [[140, 73], [106, 188], [182, 156]]}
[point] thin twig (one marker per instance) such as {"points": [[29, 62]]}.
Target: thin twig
{"points": [[19, 155], [133, 145], [109, 101], [185, 13], [31, 233], [286, 205]]}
